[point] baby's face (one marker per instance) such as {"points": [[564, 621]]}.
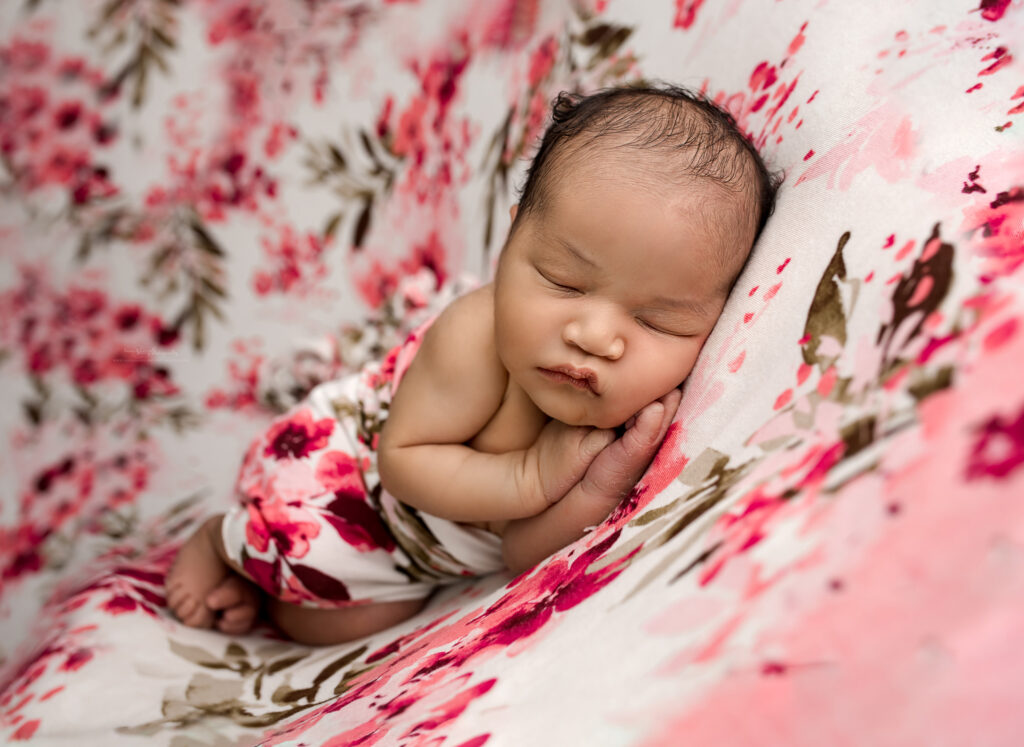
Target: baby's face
{"points": [[604, 297]]}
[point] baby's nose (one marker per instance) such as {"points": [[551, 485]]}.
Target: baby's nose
{"points": [[595, 337]]}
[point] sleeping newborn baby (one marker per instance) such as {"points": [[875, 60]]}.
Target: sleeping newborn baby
{"points": [[520, 416]]}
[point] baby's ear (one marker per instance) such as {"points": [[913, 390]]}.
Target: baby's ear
{"points": [[512, 211]]}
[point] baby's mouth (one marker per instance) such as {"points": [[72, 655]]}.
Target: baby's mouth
{"points": [[580, 378]]}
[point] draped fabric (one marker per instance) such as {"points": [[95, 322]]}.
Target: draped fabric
{"points": [[207, 207]]}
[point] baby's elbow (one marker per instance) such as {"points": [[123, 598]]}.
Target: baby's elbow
{"points": [[387, 466]]}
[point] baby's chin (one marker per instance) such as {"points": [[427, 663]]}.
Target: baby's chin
{"points": [[585, 417]]}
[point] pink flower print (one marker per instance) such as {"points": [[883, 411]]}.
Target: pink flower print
{"points": [[24, 55], [997, 231], [380, 283], [409, 133], [293, 482], [542, 60], [739, 533], [668, 462], [338, 472], [297, 436], [244, 374], [429, 255], [532, 600], [999, 450], [377, 284], [252, 473], [387, 368], [298, 263], [289, 527], [63, 164]]}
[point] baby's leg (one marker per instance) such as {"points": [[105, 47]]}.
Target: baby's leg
{"points": [[319, 627], [203, 590]]}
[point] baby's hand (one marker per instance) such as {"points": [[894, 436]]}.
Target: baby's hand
{"points": [[559, 458]]}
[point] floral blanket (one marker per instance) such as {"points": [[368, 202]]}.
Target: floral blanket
{"points": [[210, 206]]}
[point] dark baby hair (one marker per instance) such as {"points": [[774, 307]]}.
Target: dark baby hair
{"points": [[663, 120]]}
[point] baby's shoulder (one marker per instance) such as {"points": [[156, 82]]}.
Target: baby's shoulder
{"points": [[460, 342], [475, 307], [467, 323]]}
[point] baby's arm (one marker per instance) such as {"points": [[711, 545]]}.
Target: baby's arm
{"points": [[609, 479], [452, 389]]}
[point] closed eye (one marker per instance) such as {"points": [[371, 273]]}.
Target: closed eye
{"points": [[560, 286], [660, 330]]}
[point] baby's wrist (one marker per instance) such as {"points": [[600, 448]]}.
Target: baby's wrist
{"points": [[528, 482]]}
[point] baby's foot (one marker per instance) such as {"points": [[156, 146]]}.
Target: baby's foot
{"points": [[197, 570], [235, 604]]}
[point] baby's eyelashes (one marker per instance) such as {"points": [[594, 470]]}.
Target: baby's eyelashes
{"points": [[560, 285], [661, 329]]}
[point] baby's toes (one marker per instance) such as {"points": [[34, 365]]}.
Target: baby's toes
{"points": [[192, 612], [232, 592], [180, 602], [237, 620]]}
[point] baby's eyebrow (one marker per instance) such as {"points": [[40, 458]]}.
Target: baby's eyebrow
{"points": [[576, 252]]}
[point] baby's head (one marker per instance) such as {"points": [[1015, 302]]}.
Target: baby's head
{"points": [[637, 215]]}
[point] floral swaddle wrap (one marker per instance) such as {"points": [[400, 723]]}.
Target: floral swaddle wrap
{"points": [[315, 527]]}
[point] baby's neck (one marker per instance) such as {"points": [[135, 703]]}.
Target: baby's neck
{"points": [[514, 426]]}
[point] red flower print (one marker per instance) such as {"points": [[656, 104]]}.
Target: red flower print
{"points": [[119, 604], [359, 524], [265, 575], [76, 659], [85, 332], [686, 13], [993, 10], [320, 585], [999, 450], [297, 436], [48, 128]]}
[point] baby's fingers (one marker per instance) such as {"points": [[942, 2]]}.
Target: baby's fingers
{"points": [[595, 442], [671, 403]]}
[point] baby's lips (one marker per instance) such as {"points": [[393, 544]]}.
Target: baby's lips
{"points": [[582, 375]]}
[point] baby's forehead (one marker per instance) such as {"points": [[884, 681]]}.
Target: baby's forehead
{"points": [[724, 208], [667, 176], [715, 225]]}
